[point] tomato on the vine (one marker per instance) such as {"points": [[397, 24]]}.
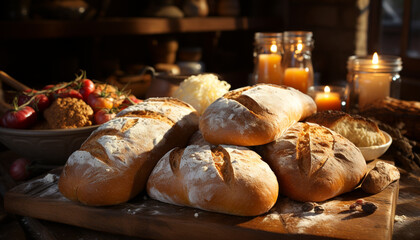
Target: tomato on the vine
{"points": [[19, 117], [128, 101], [39, 103], [104, 115], [87, 88], [68, 92], [99, 100]]}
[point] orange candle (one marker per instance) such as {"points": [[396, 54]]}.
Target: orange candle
{"points": [[328, 100], [296, 78], [269, 68]]}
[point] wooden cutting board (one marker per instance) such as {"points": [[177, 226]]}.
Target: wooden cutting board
{"points": [[147, 218]]}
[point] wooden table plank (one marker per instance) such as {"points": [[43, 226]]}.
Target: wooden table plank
{"points": [[147, 218]]}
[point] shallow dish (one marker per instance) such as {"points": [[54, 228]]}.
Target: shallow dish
{"points": [[51, 147], [374, 152]]}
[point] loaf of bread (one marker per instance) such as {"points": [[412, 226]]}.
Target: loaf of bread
{"points": [[361, 131], [401, 114], [254, 115], [313, 163], [114, 163], [225, 179]]}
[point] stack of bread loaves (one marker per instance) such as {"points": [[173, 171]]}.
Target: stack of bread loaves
{"points": [[215, 170]]}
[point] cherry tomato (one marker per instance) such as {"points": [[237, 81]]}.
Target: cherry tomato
{"points": [[101, 100], [68, 92], [22, 117], [19, 169], [39, 103], [87, 88], [104, 115], [127, 102]]}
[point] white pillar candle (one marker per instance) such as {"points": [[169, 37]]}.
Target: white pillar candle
{"points": [[373, 86]]}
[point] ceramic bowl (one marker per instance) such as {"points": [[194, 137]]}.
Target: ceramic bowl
{"points": [[374, 152], [52, 147]]}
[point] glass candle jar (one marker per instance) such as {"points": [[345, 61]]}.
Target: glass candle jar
{"points": [[297, 60], [329, 97], [268, 53], [372, 78]]}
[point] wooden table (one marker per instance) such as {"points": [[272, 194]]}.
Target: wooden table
{"points": [[407, 214]]}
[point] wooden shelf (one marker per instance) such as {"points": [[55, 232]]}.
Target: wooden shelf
{"points": [[38, 29]]}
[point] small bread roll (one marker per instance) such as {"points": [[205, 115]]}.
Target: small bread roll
{"points": [[226, 179], [254, 115], [361, 131], [380, 177], [313, 163]]}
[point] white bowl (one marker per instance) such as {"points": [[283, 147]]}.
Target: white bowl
{"points": [[374, 152]]}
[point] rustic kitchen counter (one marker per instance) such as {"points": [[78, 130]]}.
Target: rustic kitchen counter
{"points": [[406, 224]]}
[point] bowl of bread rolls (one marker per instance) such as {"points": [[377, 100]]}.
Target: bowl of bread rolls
{"points": [[361, 131], [374, 152]]}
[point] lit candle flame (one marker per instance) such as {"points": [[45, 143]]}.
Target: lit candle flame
{"points": [[273, 48], [375, 58], [299, 47], [327, 89]]}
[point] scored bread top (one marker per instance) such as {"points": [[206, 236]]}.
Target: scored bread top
{"points": [[170, 108], [313, 163], [361, 131], [254, 115], [227, 179]]}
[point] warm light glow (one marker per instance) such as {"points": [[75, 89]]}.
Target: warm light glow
{"points": [[273, 48], [327, 89], [375, 58], [299, 47]]}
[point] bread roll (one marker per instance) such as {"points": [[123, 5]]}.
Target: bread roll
{"points": [[226, 179], [313, 163], [380, 177], [254, 115], [361, 131], [113, 164]]}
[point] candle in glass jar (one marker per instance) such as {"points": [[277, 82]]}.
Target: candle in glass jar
{"points": [[373, 86], [296, 78], [328, 100], [269, 67]]}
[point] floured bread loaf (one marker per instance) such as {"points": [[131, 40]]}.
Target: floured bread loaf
{"points": [[313, 163], [254, 115], [113, 164], [359, 130], [226, 179]]}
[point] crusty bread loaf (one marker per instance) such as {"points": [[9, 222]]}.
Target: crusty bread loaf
{"points": [[361, 131], [254, 115], [313, 163], [113, 164], [226, 179], [401, 114]]}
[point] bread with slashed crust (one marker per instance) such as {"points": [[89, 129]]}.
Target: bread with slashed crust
{"points": [[225, 179], [313, 163], [114, 163], [254, 115]]}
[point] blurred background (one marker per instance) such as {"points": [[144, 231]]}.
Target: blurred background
{"points": [[48, 41]]}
